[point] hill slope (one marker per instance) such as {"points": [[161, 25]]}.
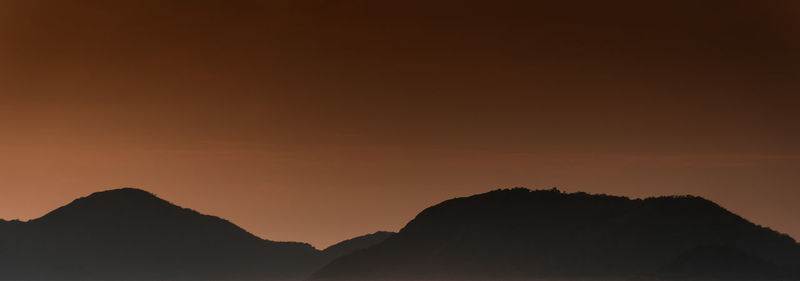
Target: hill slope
{"points": [[358, 243], [130, 234], [522, 234]]}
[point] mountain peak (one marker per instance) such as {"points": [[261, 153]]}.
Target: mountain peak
{"points": [[120, 194], [131, 234], [126, 191], [125, 194], [521, 234], [122, 202]]}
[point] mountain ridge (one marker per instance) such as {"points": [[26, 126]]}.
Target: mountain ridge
{"points": [[518, 233], [361, 242], [131, 234]]}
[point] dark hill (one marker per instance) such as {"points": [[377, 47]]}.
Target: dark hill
{"points": [[352, 245], [520, 234], [130, 234]]}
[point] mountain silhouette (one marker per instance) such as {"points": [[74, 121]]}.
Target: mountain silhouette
{"points": [[130, 234], [354, 244], [519, 234], [512, 234]]}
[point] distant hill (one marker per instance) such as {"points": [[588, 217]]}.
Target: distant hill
{"points": [[352, 245], [519, 234], [130, 234], [515, 234]]}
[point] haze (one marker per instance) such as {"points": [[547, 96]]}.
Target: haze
{"points": [[318, 121]]}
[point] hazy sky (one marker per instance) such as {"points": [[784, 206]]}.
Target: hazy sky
{"points": [[318, 120]]}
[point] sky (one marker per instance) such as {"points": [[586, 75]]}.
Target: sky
{"points": [[318, 121]]}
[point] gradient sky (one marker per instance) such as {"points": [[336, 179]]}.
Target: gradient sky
{"points": [[317, 120]]}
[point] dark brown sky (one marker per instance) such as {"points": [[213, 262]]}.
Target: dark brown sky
{"points": [[318, 120]]}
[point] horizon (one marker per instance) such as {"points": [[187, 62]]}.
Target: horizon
{"points": [[323, 247], [320, 121]]}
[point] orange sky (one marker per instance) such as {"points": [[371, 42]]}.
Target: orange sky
{"points": [[320, 120]]}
